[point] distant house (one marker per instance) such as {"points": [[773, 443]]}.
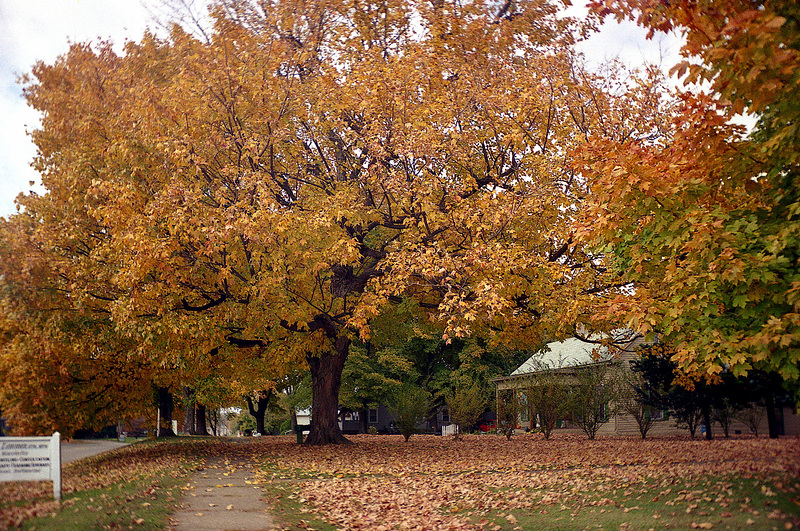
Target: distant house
{"points": [[565, 358], [379, 417], [350, 422]]}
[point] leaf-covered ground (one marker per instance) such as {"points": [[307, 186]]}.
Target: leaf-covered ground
{"points": [[119, 487], [486, 482], [24, 500], [481, 482]]}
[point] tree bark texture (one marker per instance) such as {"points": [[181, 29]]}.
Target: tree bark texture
{"points": [[259, 411], [213, 419], [165, 407], [772, 415], [200, 427], [364, 417], [707, 422], [188, 411], [326, 379]]}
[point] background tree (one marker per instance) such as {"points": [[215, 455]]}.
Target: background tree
{"points": [[770, 391], [666, 387], [592, 396], [410, 406], [466, 402], [547, 394], [215, 392], [417, 353], [724, 416], [244, 423], [660, 389], [730, 395], [510, 404], [704, 220], [630, 384], [663, 385], [258, 405], [752, 416], [165, 402], [372, 378], [189, 411]]}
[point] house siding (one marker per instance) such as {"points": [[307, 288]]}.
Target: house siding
{"points": [[624, 424]]}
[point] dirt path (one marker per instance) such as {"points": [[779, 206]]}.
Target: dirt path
{"points": [[223, 496]]}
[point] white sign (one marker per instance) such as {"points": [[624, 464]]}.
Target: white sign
{"points": [[32, 459]]}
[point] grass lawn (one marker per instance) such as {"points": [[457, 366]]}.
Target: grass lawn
{"points": [[486, 482], [134, 486], [481, 482]]}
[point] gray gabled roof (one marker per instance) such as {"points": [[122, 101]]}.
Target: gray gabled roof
{"points": [[571, 352]]}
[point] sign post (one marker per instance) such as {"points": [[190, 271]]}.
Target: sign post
{"points": [[32, 459]]}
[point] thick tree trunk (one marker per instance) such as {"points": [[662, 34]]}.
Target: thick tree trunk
{"points": [[188, 411], [213, 420], [326, 378], [707, 422], [772, 415], [363, 414], [259, 412], [165, 408], [260, 424], [200, 427]]}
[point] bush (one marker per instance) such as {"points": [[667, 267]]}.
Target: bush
{"points": [[466, 403], [591, 397], [409, 407]]}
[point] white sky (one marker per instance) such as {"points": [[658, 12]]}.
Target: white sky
{"points": [[32, 30]]}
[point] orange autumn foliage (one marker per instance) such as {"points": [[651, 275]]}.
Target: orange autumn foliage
{"points": [[244, 207]]}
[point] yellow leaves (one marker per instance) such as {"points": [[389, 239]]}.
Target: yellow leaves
{"points": [[268, 185], [618, 171]]}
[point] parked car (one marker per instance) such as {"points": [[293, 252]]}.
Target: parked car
{"points": [[487, 426]]}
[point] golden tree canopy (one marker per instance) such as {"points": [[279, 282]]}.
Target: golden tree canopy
{"points": [[264, 194]]}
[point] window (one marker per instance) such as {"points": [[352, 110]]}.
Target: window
{"points": [[373, 416], [445, 415], [602, 413], [523, 408]]}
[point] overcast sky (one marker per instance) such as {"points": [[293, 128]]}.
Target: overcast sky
{"points": [[33, 30]]}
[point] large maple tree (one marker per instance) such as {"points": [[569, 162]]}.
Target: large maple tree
{"points": [[248, 203], [705, 221]]}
